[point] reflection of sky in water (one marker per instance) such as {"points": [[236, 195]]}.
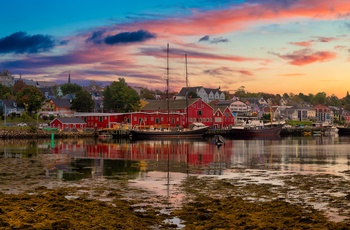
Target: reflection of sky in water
{"points": [[161, 184], [159, 166]]}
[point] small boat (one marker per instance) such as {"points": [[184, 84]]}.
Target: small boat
{"points": [[317, 133], [218, 140], [195, 130], [307, 133], [342, 130]]}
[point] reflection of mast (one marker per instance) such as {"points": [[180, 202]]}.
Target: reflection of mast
{"points": [[168, 174]]}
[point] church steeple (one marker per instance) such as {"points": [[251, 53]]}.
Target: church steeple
{"points": [[69, 78]]}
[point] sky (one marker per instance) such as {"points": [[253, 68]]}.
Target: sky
{"points": [[271, 46]]}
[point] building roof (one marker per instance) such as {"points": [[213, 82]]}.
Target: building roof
{"points": [[173, 104], [196, 89], [70, 120], [48, 93], [221, 107], [189, 89], [62, 103], [46, 84], [9, 103]]}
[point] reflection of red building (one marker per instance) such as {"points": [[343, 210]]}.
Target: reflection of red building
{"points": [[192, 153]]}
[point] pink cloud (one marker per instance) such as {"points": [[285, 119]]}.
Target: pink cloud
{"points": [[304, 44], [236, 18], [326, 39], [227, 70], [179, 54], [306, 56]]}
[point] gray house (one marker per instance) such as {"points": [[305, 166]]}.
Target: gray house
{"points": [[9, 107]]}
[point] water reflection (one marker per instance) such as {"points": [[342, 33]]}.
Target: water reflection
{"points": [[74, 159]]}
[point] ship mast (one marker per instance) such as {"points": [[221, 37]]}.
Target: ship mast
{"points": [[167, 84], [186, 94]]}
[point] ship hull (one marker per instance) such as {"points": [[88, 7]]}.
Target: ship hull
{"points": [[273, 131], [151, 134]]}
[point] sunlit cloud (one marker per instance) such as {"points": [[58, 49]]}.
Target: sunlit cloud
{"points": [[227, 70], [326, 39], [307, 56], [304, 43]]}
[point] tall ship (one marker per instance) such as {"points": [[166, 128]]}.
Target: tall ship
{"points": [[194, 130]]}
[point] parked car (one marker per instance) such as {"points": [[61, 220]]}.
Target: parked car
{"points": [[41, 126], [21, 124]]}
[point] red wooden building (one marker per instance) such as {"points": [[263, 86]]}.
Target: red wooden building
{"points": [[155, 114], [62, 123], [194, 110]]}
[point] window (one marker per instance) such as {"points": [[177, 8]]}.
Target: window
{"points": [[199, 112], [140, 121], [157, 120]]}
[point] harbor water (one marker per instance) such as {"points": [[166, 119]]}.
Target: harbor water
{"points": [[160, 166]]}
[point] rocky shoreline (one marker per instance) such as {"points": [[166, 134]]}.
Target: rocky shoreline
{"points": [[24, 134]]}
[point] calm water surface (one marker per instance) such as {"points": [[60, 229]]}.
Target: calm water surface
{"points": [[159, 166], [153, 164]]}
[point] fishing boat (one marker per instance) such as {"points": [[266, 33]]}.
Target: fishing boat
{"points": [[194, 130], [254, 128], [342, 130], [248, 132]]}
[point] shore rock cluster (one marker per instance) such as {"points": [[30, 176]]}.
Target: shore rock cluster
{"points": [[24, 134]]}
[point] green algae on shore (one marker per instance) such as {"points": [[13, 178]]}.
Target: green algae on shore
{"points": [[31, 198]]}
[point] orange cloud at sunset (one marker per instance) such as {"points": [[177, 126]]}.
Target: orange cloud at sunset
{"points": [[303, 57]]}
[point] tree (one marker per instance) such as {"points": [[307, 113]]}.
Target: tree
{"points": [[240, 92], [333, 100], [192, 94], [5, 72], [319, 98], [70, 88], [18, 86], [82, 102], [95, 86], [227, 95], [5, 92], [148, 94], [120, 97], [31, 98]]}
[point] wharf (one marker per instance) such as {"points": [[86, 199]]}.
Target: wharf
{"points": [[292, 131], [113, 133]]}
